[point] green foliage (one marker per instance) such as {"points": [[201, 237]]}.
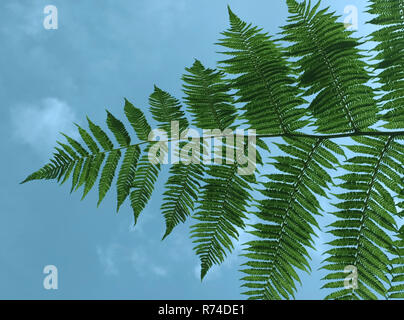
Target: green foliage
{"points": [[207, 98], [396, 289], [330, 66], [366, 213], [85, 164], [263, 84], [287, 218], [390, 58], [182, 192], [264, 81]]}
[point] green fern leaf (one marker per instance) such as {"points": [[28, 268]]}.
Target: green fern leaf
{"points": [[183, 183], [264, 83], [143, 184], [166, 109], [330, 66], [183, 186], [365, 216], [221, 211], [137, 120], [287, 215], [396, 290], [224, 197], [207, 98], [89, 141], [390, 57], [100, 135], [127, 173], [76, 146], [108, 174], [119, 130]]}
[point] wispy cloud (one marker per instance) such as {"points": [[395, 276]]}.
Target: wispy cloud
{"points": [[159, 271], [144, 265], [107, 257], [39, 125], [114, 257], [28, 22]]}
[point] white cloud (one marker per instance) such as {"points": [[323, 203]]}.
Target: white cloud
{"points": [[107, 259], [114, 257], [143, 264], [160, 271], [39, 125], [167, 12]]}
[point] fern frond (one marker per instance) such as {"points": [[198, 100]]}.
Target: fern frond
{"points": [[166, 109], [331, 66], [390, 57], [108, 173], [100, 135], [89, 141], [400, 204], [145, 176], [137, 120], [222, 206], [119, 130], [183, 183], [264, 82], [365, 218], [225, 195], [55, 169], [288, 218], [207, 98], [396, 290], [127, 173], [183, 187], [85, 164], [143, 184]]}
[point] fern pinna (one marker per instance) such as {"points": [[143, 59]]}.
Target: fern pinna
{"points": [[315, 92]]}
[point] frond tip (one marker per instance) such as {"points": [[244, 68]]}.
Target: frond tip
{"points": [[85, 164]]}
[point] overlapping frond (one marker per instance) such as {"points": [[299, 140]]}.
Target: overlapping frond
{"points": [[127, 173], [182, 186], [365, 218], [400, 203], [146, 172], [396, 289], [225, 194], [222, 207], [208, 98], [331, 66], [143, 183], [287, 217], [390, 57], [263, 79], [166, 109]]}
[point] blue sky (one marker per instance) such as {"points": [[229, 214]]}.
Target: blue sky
{"points": [[102, 52]]}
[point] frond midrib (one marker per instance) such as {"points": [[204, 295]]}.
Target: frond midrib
{"points": [[288, 210]]}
